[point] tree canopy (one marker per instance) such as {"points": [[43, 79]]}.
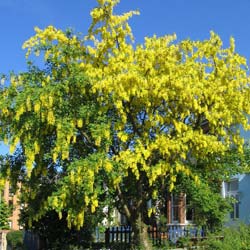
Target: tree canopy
{"points": [[105, 117]]}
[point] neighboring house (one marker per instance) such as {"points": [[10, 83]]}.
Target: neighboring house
{"points": [[11, 199], [180, 213], [238, 188]]}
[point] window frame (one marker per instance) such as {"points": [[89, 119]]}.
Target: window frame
{"points": [[233, 193]]}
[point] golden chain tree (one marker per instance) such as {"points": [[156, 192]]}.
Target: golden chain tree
{"points": [[132, 114]]}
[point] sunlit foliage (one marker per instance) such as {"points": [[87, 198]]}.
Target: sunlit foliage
{"points": [[105, 110]]}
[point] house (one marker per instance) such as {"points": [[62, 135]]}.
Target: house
{"points": [[11, 200], [238, 188]]}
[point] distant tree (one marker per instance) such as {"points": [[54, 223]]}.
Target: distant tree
{"points": [[5, 211], [107, 121], [4, 215]]}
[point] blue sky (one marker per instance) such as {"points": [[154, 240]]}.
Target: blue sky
{"points": [[187, 18]]}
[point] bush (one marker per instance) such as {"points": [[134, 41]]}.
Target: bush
{"points": [[15, 240], [185, 242], [236, 237], [4, 215]]}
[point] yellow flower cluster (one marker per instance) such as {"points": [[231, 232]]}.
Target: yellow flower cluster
{"points": [[49, 35]]}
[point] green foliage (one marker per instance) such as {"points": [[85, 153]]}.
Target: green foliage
{"points": [[234, 162], [206, 200], [15, 240], [235, 237], [185, 242], [55, 234], [209, 206], [4, 215]]}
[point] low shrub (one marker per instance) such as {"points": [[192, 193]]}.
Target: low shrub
{"points": [[235, 237], [15, 240]]}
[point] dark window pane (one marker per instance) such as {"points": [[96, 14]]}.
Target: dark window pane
{"points": [[175, 213], [189, 213], [233, 186]]}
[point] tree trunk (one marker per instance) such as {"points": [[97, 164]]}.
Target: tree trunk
{"points": [[140, 235]]}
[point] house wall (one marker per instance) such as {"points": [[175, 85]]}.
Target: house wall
{"points": [[12, 198], [244, 194], [244, 198]]}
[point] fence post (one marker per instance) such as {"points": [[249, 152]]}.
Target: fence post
{"points": [[121, 233], [107, 236], [153, 234], [125, 236], [112, 234], [129, 234], [175, 236], [169, 233], [158, 234], [117, 234]]}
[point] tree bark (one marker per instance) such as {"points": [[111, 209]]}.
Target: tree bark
{"points": [[140, 235]]}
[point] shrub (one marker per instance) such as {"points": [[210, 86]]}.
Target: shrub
{"points": [[235, 237], [15, 240], [4, 215]]}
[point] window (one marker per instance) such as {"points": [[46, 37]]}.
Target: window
{"points": [[189, 210], [233, 186], [180, 209], [234, 214], [175, 208], [233, 192]]}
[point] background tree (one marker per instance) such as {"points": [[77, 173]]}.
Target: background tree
{"points": [[105, 118], [5, 210], [4, 215]]}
